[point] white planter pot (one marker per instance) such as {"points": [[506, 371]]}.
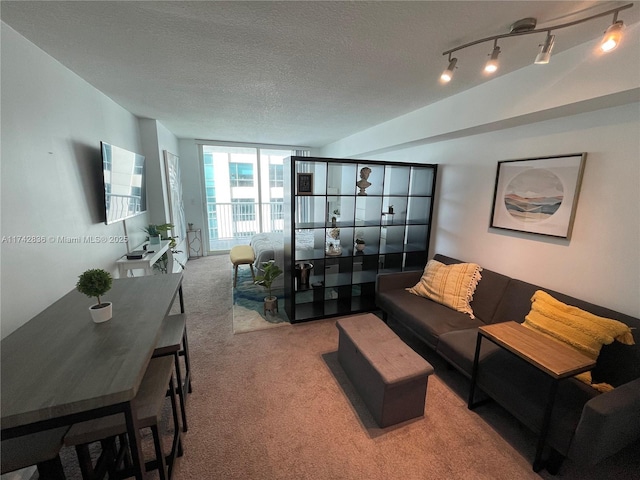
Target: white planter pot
{"points": [[154, 240], [101, 314]]}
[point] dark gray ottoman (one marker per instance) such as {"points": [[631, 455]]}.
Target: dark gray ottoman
{"points": [[389, 376]]}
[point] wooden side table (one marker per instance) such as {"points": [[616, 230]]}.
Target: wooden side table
{"points": [[553, 357]]}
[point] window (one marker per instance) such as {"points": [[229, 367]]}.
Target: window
{"points": [[241, 174], [244, 190], [276, 175]]}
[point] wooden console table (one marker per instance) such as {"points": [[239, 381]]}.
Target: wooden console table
{"points": [[60, 368], [553, 357]]}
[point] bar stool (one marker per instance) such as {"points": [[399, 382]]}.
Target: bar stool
{"points": [[41, 449], [148, 406], [242, 255], [173, 342]]}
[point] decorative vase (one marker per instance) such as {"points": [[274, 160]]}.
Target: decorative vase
{"points": [[101, 312], [270, 305], [154, 240], [360, 246]]}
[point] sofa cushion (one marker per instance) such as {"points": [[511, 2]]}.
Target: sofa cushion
{"points": [[459, 349], [425, 318], [488, 292], [516, 304], [579, 329], [450, 285]]}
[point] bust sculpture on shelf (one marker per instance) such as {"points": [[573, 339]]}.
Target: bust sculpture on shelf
{"points": [[363, 183]]}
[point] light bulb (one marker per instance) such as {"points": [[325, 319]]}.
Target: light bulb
{"points": [[612, 37], [447, 75], [492, 64]]}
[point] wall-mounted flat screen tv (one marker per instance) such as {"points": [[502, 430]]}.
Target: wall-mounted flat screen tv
{"points": [[124, 183]]}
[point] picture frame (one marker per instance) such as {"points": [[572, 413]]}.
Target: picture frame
{"points": [[305, 183], [538, 195]]}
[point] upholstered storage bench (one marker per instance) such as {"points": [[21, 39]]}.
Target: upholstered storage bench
{"points": [[389, 376]]}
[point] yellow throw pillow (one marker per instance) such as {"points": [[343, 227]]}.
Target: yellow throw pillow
{"points": [[581, 330], [450, 285]]}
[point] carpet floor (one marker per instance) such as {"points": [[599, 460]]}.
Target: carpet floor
{"points": [[275, 404]]}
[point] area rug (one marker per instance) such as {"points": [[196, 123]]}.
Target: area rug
{"points": [[248, 305]]}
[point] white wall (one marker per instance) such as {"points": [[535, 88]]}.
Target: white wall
{"points": [[581, 104], [601, 262], [192, 188], [156, 138], [52, 125]]}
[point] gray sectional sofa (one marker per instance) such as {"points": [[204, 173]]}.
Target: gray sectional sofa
{"points": [[586, 426]]}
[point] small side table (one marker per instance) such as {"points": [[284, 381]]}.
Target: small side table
{"points": [[553, 357], [194, 240]]}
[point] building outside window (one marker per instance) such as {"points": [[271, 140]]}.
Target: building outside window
{"points": [[276, 175], [241, 174]]}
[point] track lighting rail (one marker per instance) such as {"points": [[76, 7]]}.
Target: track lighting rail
{"points": [[540, 30]]}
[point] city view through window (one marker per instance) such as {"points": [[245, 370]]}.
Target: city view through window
{"points": [[244, 190]]}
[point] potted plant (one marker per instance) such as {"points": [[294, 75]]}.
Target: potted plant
{"points": [[153, 233], [96, 282], [270, 271]]}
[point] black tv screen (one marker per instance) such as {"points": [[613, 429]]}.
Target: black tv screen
{"points": [[124, 183]]}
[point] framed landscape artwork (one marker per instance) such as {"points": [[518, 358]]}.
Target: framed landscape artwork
{"points": [[538, 195]]}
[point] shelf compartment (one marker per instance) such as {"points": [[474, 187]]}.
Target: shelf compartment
{"points": [[422, 181], [418, 210], [396, 180]]}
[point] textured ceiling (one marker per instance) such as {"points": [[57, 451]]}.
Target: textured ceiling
{"points": [[289, 73]]}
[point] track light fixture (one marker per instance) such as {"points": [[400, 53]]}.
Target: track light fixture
{"points": [[612, 35], [447, 75], [492, 64], [527, 26], [545, 52]]}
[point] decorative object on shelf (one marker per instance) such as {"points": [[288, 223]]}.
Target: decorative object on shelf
{"points": [[96, 282], [305, 183], [190, 226], [335, 217], [363, 183], [538, 195], [359, 242], [527, 26], [333, 246], [303, 271], [270, 271], [390, 212]]}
